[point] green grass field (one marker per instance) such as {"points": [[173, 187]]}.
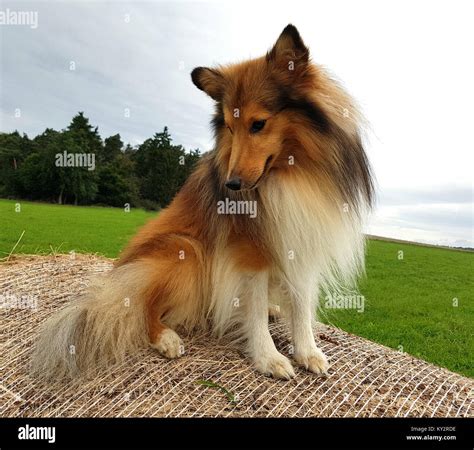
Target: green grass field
{"points": [[62, 228], [409, 302]]}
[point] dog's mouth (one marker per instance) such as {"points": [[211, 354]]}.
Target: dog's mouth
{"points": [[266, 168]]}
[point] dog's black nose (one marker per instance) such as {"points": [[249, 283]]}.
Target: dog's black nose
{"points": [[233, 183]]}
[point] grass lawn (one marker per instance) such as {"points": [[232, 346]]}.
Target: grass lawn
{"points": [[409, 302], [62, 228]]}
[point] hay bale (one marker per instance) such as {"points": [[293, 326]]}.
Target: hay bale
{"points": [[366, 379]]}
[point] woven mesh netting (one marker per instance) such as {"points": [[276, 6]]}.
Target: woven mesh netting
{"points": [[365, 379]]}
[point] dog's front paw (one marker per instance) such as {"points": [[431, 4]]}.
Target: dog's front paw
{"points": [[169, 344], [315, 361], [275, 365]]}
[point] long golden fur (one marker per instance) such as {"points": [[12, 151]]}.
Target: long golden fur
{"points": [[287, 138]]}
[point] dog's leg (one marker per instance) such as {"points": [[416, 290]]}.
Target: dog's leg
{"points": [[274, 300], [162, 338], [274, 313], [173, 297], [260, 345], [306, 353]]}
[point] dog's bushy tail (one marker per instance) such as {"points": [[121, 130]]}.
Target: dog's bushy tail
{"points": [[96, 329]]}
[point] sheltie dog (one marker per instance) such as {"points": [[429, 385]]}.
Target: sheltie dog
{"points": [[288, 143]]}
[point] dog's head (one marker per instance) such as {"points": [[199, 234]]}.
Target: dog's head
{"points": [[255, 102]]}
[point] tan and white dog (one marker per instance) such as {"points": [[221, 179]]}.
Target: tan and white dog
{"points": [[287, 141]]}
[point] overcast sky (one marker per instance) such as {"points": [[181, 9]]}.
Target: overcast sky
{"points": [[408, 63]]}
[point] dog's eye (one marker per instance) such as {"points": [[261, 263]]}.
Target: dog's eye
{"points": [[257, 126]]}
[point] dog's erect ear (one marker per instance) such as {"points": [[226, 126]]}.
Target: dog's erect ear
{"points": [[289, 47], [210, 81]]}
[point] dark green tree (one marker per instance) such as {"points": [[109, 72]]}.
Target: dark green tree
{"points": [[113, 146], [39, 169], [14, 149], [162, 167], [85, 135]]}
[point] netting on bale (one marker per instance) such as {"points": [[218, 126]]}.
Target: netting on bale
{"points": [[365, 379]]}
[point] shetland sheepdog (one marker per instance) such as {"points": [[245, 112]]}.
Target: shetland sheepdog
{"points": [[287, 142]]}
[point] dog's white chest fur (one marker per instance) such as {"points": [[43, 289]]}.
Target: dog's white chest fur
{"points": [[315, 238]]}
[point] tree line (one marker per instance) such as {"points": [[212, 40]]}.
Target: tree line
{"points": [[77, 166]]}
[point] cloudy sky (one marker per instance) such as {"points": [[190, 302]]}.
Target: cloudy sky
{"points": [[408, 63]]}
